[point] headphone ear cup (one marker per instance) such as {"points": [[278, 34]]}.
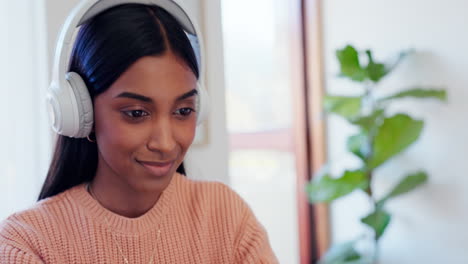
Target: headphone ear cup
{"points": [[54, 109], [85, 115], [202, 104]]}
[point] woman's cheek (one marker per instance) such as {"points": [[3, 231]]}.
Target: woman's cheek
{"points": [[117, 134], [186, 134], [128, 135]]}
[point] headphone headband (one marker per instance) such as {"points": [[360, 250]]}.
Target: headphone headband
{"points": [[170, 6], [87, 9]]}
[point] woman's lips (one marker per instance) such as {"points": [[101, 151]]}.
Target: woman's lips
{"points": [[158, 169]]}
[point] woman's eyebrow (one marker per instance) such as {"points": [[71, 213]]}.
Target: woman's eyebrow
{"points": [[187, 95], [135, 96], [149, 100]]}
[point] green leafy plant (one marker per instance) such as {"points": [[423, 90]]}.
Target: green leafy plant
{"points": [[380, 138]]}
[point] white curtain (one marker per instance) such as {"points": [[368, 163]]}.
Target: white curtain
{"points": [[25, 144]]}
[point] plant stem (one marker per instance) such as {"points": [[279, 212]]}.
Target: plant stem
{"points": [[376, 252], [371, 107], [369, 188]]}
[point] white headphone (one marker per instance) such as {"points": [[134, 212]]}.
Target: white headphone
{"points": [[69, 102]]}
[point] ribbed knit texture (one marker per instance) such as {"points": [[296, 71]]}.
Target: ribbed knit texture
{"points": [[200, 222]]}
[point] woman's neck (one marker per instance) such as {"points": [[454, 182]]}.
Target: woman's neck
{"points": [[118, 197]]}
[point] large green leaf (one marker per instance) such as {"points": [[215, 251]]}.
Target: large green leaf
{"points": [[344, 253], [349, 64], [419, 93], [345, 106], [327, 189], [407, 184], [378, 221], [367, 123], [394, 135], [375, 71], [359, 145]]}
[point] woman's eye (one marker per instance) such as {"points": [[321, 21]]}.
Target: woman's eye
{"points": [[184, 111], [136, 113]]}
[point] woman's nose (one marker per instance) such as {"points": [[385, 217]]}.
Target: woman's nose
{"points": [[162, 136]]}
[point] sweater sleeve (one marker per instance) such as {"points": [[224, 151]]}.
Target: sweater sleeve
{"points": [[253, 246], [13, 255], [14, 248]]}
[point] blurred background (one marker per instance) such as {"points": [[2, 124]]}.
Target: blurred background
{"points": [[269, 62]]}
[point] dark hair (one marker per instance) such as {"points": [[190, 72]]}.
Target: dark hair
{"points": [[105, 47]]}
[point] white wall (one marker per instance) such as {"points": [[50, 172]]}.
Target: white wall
{"points": [[206, 161], [428, 225], [24, 153]]}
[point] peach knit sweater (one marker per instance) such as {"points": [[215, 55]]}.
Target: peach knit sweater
{"points": [[199, 222]]}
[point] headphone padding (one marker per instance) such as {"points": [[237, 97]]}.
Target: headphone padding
{"points": [[84, 104]]}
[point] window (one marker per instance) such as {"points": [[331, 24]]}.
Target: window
{"points": [[263, 73]]}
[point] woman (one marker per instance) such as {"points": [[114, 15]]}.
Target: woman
{"points": [[120, 195]]}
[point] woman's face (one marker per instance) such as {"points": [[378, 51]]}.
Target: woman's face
{"points": [[145, 122]]}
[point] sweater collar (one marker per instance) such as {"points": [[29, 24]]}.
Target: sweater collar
{"points": [[121, 224]]}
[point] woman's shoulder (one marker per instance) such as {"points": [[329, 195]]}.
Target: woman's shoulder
{"points": [[211, 195], [198, 185], [209, 188], [25, 232], [31, 221]]}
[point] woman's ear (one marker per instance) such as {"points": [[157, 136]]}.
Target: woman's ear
{"points": [[92, 135]]}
